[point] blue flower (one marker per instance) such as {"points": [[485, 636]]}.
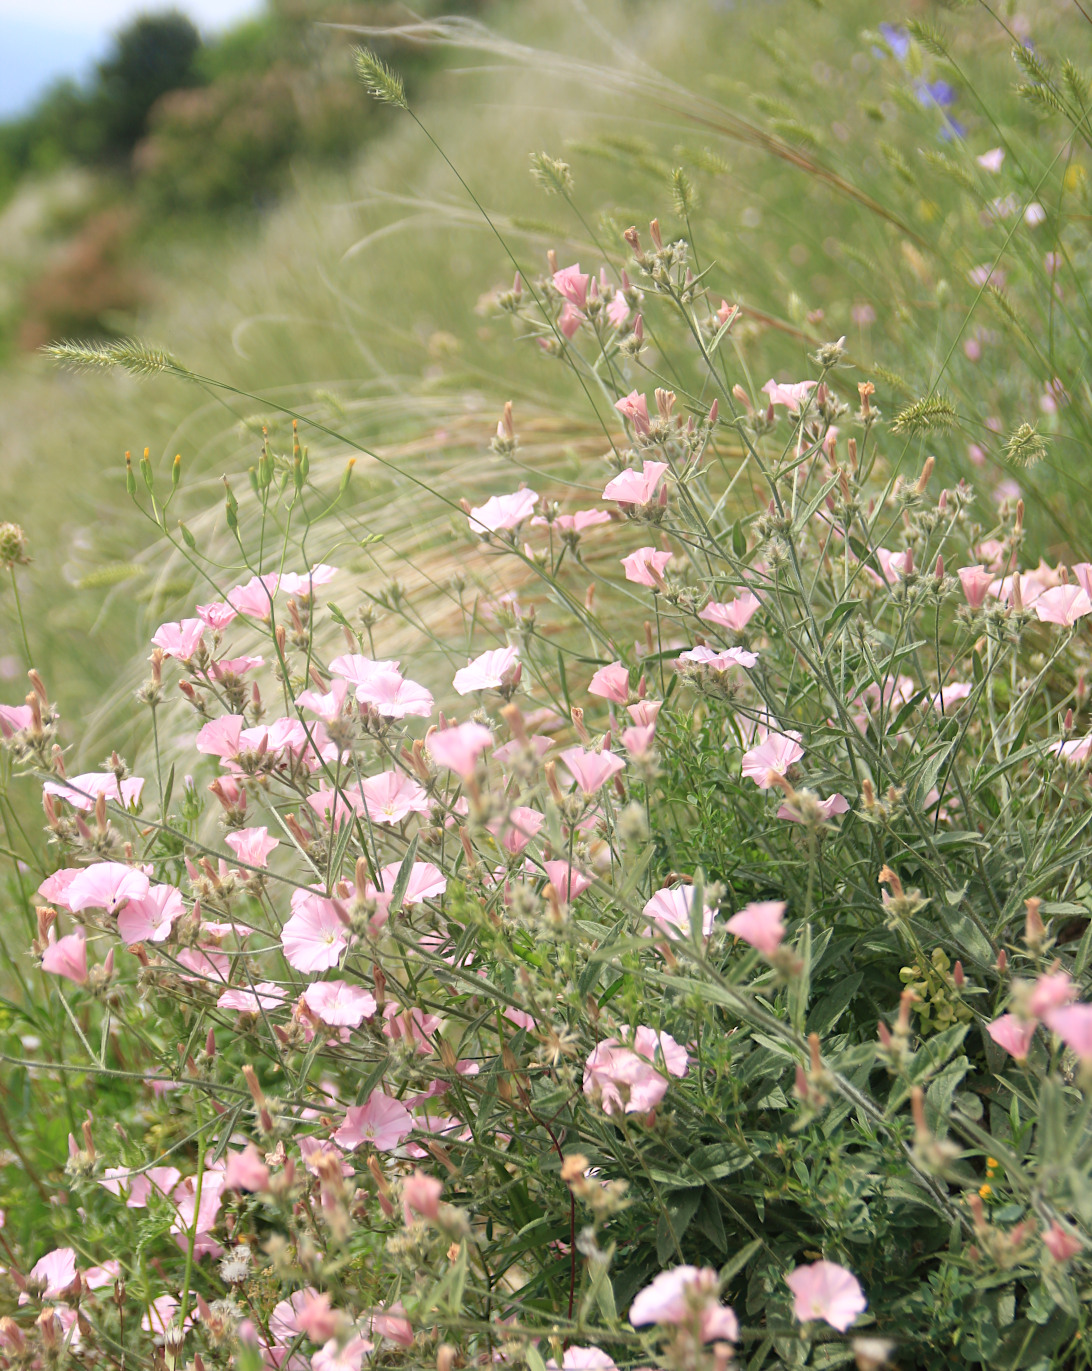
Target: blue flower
{"points": [[898, 40]]}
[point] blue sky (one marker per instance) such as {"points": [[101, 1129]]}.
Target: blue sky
{"points": [[47, 39]]}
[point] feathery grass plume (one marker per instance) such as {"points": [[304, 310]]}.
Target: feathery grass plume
{"points": [[554, 176], [897, 162], [702, 159], [129, 354], [892, 379], [1026, 447], [1076, 82], [102, 578], [924, 415], [929, 36], [682, 191], [381, 83], [951, 168]]}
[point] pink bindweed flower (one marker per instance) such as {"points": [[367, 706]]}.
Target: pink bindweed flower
{"points": [[54, 889], [393, 697], [493, 670], [569, 883], [265, 995], [503, 512], [338, 1004], [644, 712], [1075, 751], [358, 669], [106, 885], [1063, 605], [336, 1356], [150, 917], [582, 1359], [180, 640], [761, 924], [458, 748], [56, 1271], [329, 705], [792, 396], [1061, 1242], [637, 739], [81, 792], [669, 912], [67, 957], [976, 581], [1013, 1034], [295, 584], [634, 407], [569, 321], [426, 882], [221, 737], [234, 668], [833, 804], [519, 826], [252, 845], [824, 1290], [392, 1324], [951, 694], [314, 1316], [611, 683], [575, 523], [1052, 990], [421, 1195], [776, 753], [572, 285], [216, 615], [315, 936], [992, 160], [255, 598], [733, 615], [684, 1296], [895, 565], [636, 487], [381, 1121], [591, 770], [717, 661], [14, 719], [391, 796], [246, 1170], [1073, 1024], [621, 1080], [645, 567]]}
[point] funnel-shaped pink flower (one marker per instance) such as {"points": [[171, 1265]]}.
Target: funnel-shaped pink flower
{"points": [[1063, 605], [761, 924], [776, 753], [792, 396], [381, 1121], [391, 796], [459, 748], [81, 792], [645, 567], [1013, 1034], [611, 683], [1073, 1024], [106, 885], [591, 770], [634, 407], [490, 671], [256, 597], [686, 1295], [252, 845], [295, 584], [733, 615], [217, 615], [669, 912], [314, 937], [338, 1004], [636, 487], [824, 1290], [149, 918], [67, 957], [503, 512], [572, 285], [180, 640], [976, 582], [56, 1271], [392, 696]]}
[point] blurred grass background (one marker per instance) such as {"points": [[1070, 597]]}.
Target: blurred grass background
{"points": [[274, 228]]}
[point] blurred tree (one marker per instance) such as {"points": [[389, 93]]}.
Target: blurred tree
{"points": [[153, 55]]}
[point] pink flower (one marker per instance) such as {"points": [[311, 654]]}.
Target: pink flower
{"points": [[636, 487], [834, 804], [1063, 605], [256, 597], [645, 567], [252, 845], [294, 584], [792, 396], [381, 1121], [150, 917], [502, 512], [827, 1291], [391, 796], [519, 826], [220, 738], [569, 320], [637, 739], [951, 694], [349, 1357], [106, 885], [459, 748], [669, 911], [328, 706], [392, 696], [314, 1317], [338, 1004], [314, 937], [569, 883], [647, 1042], [582, 1359], [492, 670], [733, 615], [217, 615], [421, 1195], [426, 882], [761, 924], [284, 1323], [14, 719], [1013, 1034], [644, 712], [180, 640], [357, 669], [776, 753], [392, 1324], [992, 160], [591, 770], [246, 1170], [56, 1271], [682, 1296], [1073, 750], [234, 667], [611, 683], [621, 1081], [1052, 990], [634, 407], [67, 957], [81, 792], [265, 995], [1061, 1243], [1073, 1024], [717, 661], [976, 581], [575, 523], [572, 285], [895, 565]]}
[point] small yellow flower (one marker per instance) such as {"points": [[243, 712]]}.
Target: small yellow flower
{"points": [[1074, 177], [991, 1165], [985, 1191]]}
